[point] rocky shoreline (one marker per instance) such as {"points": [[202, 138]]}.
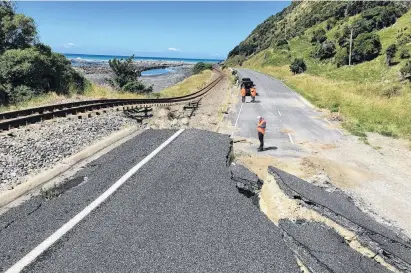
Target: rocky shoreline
{"points": [[98, 72]]}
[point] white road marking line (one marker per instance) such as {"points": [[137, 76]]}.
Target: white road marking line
{"points": [[37, 251], [279, 113], [290, 138], [340, 132], [237, 119]]}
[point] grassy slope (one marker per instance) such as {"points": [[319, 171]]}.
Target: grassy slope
{"points": [[189, 85], [356, 91]]}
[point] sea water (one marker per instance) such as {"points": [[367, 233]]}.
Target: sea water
{"points": [[78, 59]]}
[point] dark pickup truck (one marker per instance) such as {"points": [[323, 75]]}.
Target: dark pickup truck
{"points": [[247, 83]]}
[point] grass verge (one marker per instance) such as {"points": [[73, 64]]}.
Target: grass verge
{"points": [[188, 86], [362, 104]]}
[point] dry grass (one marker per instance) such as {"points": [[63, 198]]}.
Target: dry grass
{"points": [[189, 85], [361, 103], [97, 92], [92, 92]]}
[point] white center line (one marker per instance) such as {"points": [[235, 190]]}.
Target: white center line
{"points": [[37, 251], [290, 138], [279, 113], [237, 119]]}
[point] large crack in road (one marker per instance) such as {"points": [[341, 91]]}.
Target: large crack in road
{"points": [[393, 247]]}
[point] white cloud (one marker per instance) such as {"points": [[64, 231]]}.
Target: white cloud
{"points": [[216, 54], [69, 45], [173, 49]]}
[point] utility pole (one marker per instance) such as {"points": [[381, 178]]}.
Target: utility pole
{"points": [[350, 45]]}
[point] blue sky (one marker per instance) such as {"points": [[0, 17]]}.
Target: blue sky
{"points": [[162, 29]]}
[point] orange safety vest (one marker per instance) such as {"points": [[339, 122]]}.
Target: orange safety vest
{"points": [[253, 92], [243, 92], [261, 126]]}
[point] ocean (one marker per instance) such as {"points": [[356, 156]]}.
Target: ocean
{"points": [[78, 59]]}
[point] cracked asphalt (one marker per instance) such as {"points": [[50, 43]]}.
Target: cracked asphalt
{"points": [[181, 212], [324, 250], [339, 207]]}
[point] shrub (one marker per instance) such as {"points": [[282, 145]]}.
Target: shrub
{"points": [[366, 47], [390, 53], [38, 69], [136, 87], [200, 66], [406, 71], [341, 57], [21, 93], [319, 36], [281, 42], [391, 91], [29, 68], [325, 50], [405, 54], [298, 66]]}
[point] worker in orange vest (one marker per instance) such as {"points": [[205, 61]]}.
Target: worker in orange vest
{"points": [[261, 127], [243, 93], [253, 93]]}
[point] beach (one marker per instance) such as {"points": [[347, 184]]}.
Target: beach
{"points": [[159, 72], [171, 72]]}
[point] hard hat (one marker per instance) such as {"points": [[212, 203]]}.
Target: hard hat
{"points": [[259, 117]]}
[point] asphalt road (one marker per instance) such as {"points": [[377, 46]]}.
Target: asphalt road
{"points": [[180, 212], [289, 117]]}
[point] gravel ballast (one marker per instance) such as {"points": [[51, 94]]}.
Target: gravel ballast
{"points": [[34, 148]]}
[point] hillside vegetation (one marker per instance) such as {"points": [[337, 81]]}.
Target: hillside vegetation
{"points": [[372, 94]]}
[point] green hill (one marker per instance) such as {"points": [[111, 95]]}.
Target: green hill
{"points": [[371, 94]]}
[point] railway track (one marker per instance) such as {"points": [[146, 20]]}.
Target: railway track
{"points": [[15, 119]]}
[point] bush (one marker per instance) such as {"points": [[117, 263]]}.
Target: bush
{"points": [[319, 36], [21, 93], [136, 87], [325, 50], [28, 68], [390, 53], [281, 42], [406, 71], [298, 66], [366, 47], [200, 66], [39, 69], [342, 57], [405, 54]]}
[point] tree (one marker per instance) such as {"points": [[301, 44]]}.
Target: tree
{"points": [[298, 66], [17, 31], [390, 53], [125, 76], [366, 47], [341, 57], [325, 50]]}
